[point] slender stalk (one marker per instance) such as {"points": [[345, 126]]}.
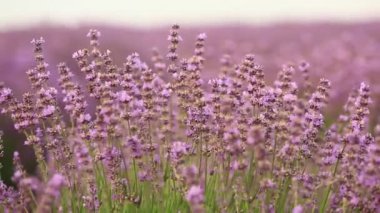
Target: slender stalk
{"points": [[200, 155], [206, 158], [280, 207], [274, 154], [135, 173], [326, 197]]}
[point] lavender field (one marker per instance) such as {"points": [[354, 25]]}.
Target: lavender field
{"points": [[277, 118]]}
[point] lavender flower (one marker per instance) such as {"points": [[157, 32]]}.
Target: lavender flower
{"points": [[297, 209], [51, 193], [5, 94], [178, 150], [195, 196]]}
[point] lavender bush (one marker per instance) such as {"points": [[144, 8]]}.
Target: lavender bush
{"points": [[163, 140]]}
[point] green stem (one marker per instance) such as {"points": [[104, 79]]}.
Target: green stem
{"points": [[274, 154], [135, 172], [326, 197], [200, 155], [206, 157], [280, 206]]}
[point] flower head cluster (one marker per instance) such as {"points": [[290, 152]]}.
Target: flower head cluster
{"points": [[174, 39]]}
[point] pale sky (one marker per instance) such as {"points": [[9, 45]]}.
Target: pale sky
{"points": [[145, 13]]}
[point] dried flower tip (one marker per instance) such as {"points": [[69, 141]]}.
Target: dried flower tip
{"points": [[303, 66], [93, 34], [38, 42], [202, 36], [175, 27], [80, 54]]}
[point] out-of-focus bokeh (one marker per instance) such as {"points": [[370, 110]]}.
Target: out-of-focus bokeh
{"points": [[340, 39]]}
